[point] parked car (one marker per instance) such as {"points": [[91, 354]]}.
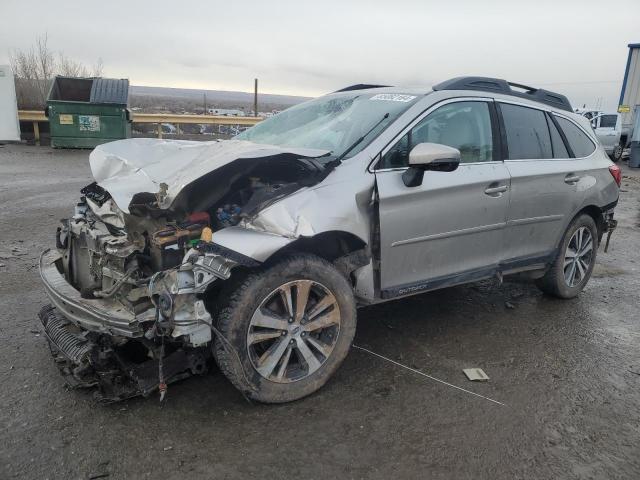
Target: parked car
{"points": [[258, 250], [608, 128]]}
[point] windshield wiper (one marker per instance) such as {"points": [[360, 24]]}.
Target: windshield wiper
{"points": [[338, 160]]}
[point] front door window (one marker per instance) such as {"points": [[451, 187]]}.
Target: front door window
{"points": [[462, 125]]}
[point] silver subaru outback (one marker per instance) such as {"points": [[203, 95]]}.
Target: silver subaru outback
{"points": [[257, 251]]}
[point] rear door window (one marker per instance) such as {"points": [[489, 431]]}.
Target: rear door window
{"points": [[527, 132], [579, 142]]}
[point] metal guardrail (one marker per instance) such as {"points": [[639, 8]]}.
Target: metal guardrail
{"points": [[32, 116], [37, 116]]}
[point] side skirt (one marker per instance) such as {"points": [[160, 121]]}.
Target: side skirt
{"points": [[508, 267]]}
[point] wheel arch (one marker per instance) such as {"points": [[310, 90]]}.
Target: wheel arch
{"points": [[330, 245], [554, 281], [345, 250], [596, 213]]}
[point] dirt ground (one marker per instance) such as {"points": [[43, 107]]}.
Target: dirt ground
{"points": [[568, 373]]}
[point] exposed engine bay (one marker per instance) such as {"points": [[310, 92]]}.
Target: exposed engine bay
{"points": [[145, 268]]}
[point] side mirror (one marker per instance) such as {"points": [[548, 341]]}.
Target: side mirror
{"points": [[429, 156]]}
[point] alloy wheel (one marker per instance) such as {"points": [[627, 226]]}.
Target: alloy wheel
{"points": [[578, 257], [293, 331]]}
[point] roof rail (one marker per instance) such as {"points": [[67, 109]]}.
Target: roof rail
{"points": [[497, 85], [359, 86]]}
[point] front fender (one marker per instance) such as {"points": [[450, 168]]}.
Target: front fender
{"points": [[250, 243], [343, 202]]}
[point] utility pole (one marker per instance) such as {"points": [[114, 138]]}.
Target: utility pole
{"points": [[204, 99], [255, 98]]}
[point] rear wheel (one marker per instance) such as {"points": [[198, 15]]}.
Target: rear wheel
{"points": [[574, 263], [288, 329]]}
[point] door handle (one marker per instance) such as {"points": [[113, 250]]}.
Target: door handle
{"points": [[571, 179], [496, 191]]}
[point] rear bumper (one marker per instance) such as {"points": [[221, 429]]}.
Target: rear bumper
{"points": [[96, 315]]}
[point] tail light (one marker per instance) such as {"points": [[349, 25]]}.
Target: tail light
{"points": [[616, 173]]}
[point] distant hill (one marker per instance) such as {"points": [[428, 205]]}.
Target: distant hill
{"points": [[219, 97]]}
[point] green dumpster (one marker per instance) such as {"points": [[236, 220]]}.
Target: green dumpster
{"points": [[85, 112]]}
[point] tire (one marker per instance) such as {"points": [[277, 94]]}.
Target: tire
{"points": [[568, 281], [616, 155], [263, 324]]}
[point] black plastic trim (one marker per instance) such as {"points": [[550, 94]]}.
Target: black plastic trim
{"points": [[496, 133], [521, 262], [609, 206], [468, 276], [439, 282], [547, 117], [503, 133], [562, 135]]}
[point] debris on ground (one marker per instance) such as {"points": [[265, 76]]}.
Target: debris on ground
{"points": [[100, 471], [475, 374], [414, 370], [509, 305], [98, 475]]}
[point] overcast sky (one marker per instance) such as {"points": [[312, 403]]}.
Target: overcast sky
{"points": [[313, 47]]}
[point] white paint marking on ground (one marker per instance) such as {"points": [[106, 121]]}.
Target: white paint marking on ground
{"points": [[428, 376]]}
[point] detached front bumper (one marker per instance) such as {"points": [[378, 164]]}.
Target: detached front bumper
{"points": [[96, 315]]}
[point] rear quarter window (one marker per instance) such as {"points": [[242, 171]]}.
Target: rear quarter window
{"points": [[579, 141]]}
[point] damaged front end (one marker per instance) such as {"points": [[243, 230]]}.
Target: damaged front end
{"points": [[116, 324], [132, 287]]}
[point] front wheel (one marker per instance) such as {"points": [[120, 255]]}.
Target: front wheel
{"points": [[286, 329], [574, 263]]}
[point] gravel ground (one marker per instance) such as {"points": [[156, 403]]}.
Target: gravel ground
{"points": [[568, 373]]}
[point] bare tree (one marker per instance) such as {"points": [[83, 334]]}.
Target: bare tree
{"points": [[70, 68], [98, 68], [35, 69], [44, 57]]}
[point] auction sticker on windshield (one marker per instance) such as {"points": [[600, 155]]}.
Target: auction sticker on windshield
{"points": [[393, 97]]}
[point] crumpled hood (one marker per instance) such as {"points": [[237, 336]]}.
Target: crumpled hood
{"points": [[140, 165]]}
